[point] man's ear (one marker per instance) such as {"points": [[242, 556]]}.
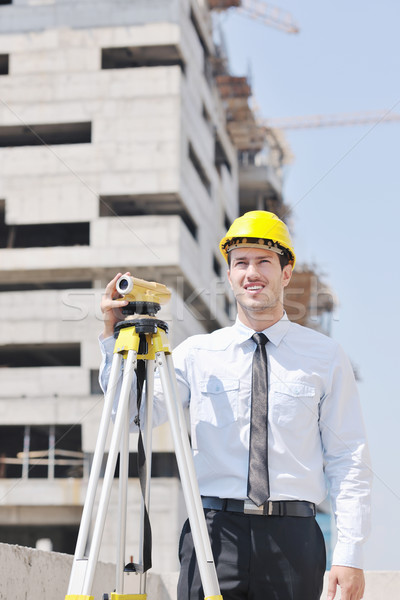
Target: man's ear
{"points": [[286, 274]]}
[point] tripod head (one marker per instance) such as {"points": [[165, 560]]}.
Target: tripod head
{"points": [[145, 297]]}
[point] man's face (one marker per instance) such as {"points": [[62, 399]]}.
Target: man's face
{"points": [[257, 280]]}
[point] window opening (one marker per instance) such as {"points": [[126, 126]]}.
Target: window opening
{"points": [[147, 205], [50, 134], [199, 169], [4, 64], [40, 355], [163, 464], [45, 285], [216, 266], [41, 451], [63, 537], [227, 222], [228, 305], [94, 382], [43, 235], [221, 157], [141, 56], [198, 31]]}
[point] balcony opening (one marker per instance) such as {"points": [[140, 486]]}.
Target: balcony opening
{"points": [[200, 303], [4, 64], [4, 229], [217, 266], [207, 61], [227, 306], [133, 57], [247, 157], [221, 157], [43, 235], [227, 221], [40, 355], [199, 169], [147, 204], [258, 200], [94, 382], [198, 31], [41, 451], [49, 134], [63, 537], [163, 464], [206, 116], [5, 2], [207, 120], [45, 285]]}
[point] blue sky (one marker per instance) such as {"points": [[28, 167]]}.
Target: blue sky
{"points": [[344, 189]]}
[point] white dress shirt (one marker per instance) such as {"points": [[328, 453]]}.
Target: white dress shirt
{"points": [[316, 437]]}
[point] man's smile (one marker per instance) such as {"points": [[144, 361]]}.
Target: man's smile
{"points": [[253, 287]]}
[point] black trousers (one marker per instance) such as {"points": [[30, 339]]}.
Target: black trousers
{"points": [[257, 557]]}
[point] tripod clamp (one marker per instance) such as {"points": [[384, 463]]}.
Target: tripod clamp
{"points": [[145, 336]]}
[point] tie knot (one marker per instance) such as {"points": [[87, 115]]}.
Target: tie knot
{"points": [[259, 339]]}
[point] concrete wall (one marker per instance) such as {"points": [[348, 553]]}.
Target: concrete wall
{"points": [[37, 575]]}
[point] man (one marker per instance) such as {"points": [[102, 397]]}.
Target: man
{"points": [[266, 542]]}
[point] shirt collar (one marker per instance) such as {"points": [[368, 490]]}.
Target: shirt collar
{"points": [[275, 333]]}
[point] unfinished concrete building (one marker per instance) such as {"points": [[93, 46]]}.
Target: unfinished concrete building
{"points": [[124, 144]]}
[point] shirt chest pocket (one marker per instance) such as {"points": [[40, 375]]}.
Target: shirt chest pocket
{"points": [[293, 404], [217, 402]]}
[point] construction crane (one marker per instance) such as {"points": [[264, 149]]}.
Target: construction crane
{"points": [[313, 121], [261, 11]]}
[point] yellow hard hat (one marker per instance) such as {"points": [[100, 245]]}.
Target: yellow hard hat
{"points": [[258, 228]]}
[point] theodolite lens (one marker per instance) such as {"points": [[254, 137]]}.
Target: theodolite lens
{"points": [[124, 285]]}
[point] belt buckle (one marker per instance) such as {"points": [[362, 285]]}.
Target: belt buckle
{"points": [[252, 509]]}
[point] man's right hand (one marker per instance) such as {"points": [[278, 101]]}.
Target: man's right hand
{"points": [[111, 305]]}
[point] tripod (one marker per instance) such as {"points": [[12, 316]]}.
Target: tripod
{"points": [[140, 339]]}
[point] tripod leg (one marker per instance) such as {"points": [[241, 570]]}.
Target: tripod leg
{"points": [[122, 413], [122, 506], [190, 488], [76, 580], [145, 505]]}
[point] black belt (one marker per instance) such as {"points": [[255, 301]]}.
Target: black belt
{"points": [[291, 508]]}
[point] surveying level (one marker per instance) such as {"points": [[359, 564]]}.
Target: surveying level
{"points": [[141, 345], [145, 297]]}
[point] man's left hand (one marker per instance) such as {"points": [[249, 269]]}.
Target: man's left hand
{"points": [[351, 583]]}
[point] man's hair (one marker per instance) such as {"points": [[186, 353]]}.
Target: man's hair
{"points": [[283, 258]]}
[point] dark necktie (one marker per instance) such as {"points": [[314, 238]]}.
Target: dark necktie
{"points": [[258, 481]]}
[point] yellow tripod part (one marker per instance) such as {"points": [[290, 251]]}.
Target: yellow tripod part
{"points": [[78, 597], [128, 596], [218, 597], [128, 339]]}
